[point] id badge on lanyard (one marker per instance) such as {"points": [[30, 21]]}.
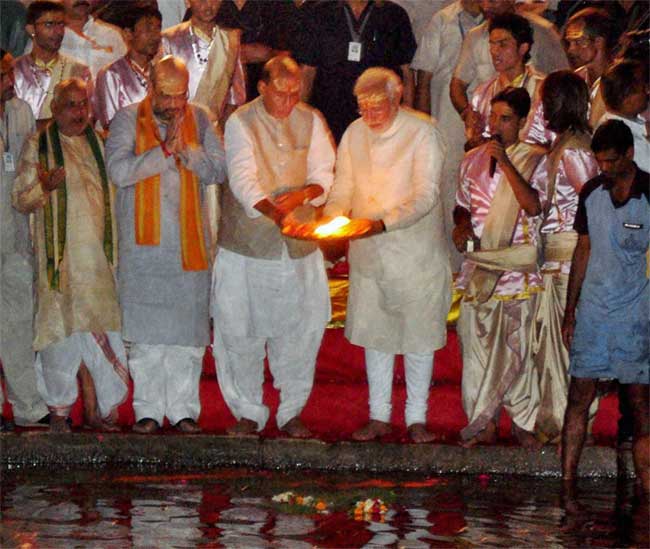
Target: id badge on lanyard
{"points": [[8, 163], [355, 45]]}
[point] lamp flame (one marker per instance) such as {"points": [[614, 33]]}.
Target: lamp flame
{"points": [[332, 227]]}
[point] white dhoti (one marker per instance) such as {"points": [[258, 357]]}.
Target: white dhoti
{"points": [[418, 368], [16, 337], [552, 358], [498, 370], [283, 305], [240, 369], [166, 381], [58, 363]]}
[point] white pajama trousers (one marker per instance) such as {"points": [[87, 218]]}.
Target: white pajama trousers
{"points": [[57, 366], [16, 338], [418, 369], [166, 381], [240, 370]]}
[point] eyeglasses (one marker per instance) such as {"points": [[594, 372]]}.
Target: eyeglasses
{"points": [[51, 24], [371, 109]]}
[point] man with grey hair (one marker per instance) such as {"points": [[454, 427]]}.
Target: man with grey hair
{"points": [[62, 180], [388, 171]]}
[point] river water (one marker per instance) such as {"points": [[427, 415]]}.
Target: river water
{"points": [[234, 508]]}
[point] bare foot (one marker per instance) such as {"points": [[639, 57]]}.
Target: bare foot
{"points": [[58, 424], [188, 425], [146, 426], [526, 438], [242, 428], [373, 429], [419, 433], [486, 436], [296, 428]]}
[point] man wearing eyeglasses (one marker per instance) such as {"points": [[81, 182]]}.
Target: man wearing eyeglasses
{"points": [[38, 72]]}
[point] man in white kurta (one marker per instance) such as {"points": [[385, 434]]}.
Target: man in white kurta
{"points": [[38, 72], [499, 278], [126, 81], [435, 59], [63, 181], [161, 152], [16, 261], [93, 42], [388, 170], [270, 295]]}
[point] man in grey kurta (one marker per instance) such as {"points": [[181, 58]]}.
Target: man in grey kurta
{"points": [[16, 261], [164, 301]]}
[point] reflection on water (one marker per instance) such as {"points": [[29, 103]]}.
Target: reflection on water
{"points": [[233, 508]]}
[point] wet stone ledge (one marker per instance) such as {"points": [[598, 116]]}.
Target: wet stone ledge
{"points": [[41, 450]]}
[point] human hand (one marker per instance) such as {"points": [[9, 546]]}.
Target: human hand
{"points": [[497, 151], [568, 327], [290, 200], [461, 234], [173, 140], [50, 179]]}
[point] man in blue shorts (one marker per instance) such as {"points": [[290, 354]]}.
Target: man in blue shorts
{"points": [[606, 324]]}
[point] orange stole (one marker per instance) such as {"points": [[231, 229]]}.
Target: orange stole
{"points": [[147, 193]]}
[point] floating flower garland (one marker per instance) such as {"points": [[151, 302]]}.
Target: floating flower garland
{"points": [[289, 498], [370, 509]]}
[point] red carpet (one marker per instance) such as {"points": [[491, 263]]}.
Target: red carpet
{"points": [[338, 403]]}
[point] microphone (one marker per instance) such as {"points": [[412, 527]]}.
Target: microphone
{"points": [[493, 161]]}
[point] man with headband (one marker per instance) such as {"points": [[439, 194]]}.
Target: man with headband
{"points": [[63, 181], [388, 170], [270, 292], [161, 153]]}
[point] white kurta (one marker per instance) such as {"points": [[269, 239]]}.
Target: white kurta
{"points": [[283, 303], [437, 53], [99, 44], [16, 274], [400, 281]]}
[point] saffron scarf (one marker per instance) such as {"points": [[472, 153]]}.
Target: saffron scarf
{"points": [[147, 192], [55, 230]]}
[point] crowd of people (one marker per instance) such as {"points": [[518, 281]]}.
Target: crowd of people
{"points": [[151, 175]]}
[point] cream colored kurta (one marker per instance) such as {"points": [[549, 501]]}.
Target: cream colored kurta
{"points": [[400, 281], [87, 300]]}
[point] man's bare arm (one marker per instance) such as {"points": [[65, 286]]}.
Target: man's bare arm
{"points": [[423, 92], [458, 95], [576, 278], [308, 76]]}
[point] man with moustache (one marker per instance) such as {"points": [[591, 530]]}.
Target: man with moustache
{"points": [[388, 170], [127, 80], [497, 211], [89, 40], [16, 261], [63, 181], [606, 326], [161, 153], [38, 72], [271, 296]]}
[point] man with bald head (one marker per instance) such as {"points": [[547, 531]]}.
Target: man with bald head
{"points": [[161, 153], [63, 181], [270, 292], [388, 170]]}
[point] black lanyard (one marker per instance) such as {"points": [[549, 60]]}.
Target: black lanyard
{"points": [[354, 35]]}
